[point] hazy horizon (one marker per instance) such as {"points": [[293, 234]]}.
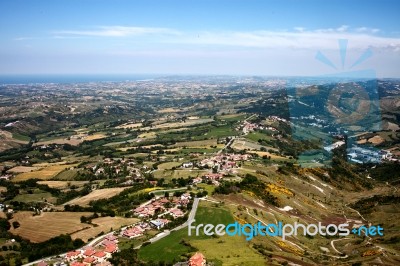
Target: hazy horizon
{"points": [[274, 38]]}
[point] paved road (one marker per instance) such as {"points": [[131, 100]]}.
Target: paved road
{"points": [[192, 214], [227, 145]]}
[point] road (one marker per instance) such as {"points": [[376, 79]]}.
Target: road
{"points": [[249, 117], [333, 246], [227, 145]]}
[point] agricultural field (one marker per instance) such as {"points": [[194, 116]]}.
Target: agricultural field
{"points": [[42, 227], [23, 169], [62, 184], [255, 136], [190, 122], [241, 144], [43, 174], [72, 141], [197, 144], [232, 117], [94, 136], [36, 196], [272, 155], [105, 225], [129, 125], [66, 175], [168, 165], [96, 195]]}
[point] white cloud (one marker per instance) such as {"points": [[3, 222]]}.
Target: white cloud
{"points": [[116, 31], [22, 38], [299, 38], [368, 30], [317, 39]]}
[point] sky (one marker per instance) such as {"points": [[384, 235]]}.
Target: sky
{"points": [[232, 37]]}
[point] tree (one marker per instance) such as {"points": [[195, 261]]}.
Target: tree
{"points": [[77, 243], [125, 257], [16, 224], [4, 225], [83, 219]]}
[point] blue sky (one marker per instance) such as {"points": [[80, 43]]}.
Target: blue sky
{"points": [[197, 37]]}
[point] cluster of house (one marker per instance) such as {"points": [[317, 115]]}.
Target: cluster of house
{"points": [[213, 177], [163, 205], [91, 256], [224, 162], [247, 127], [116, 165], [138, 229]]}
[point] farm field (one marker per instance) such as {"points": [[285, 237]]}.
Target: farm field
{"points": [[44, 174], [62, 184], [129, 125], [94, 137], [255, 136], [35, 197], [169, 165], [73, 142], [180, 124], [23, 169], [66, 175], [47, 225], [96, 195], [198, 143], [265, 153], [103, 224]]}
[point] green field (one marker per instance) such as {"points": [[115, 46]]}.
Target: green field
{"points": [[168, 165], [18, 136], [255, 136], [198, 150], [218, 132], [209, 188], [37, 196], [232, 117], [66, 175]]}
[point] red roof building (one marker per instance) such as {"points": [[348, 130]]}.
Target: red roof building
{"points": [[89, 252], [89, 260], [197, 259], [77, 263], [100, 255], [111, 249]]}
